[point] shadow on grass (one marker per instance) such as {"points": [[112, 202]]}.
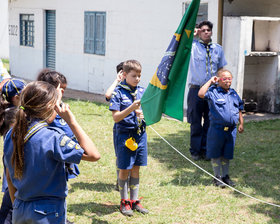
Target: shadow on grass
{"points": [[186, 173], [92, 207], [255, 167], [100, 187]]}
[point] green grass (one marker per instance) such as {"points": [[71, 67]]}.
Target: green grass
{"points": [[6, 64], [173, 189]]}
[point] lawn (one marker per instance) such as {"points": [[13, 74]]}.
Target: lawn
{"points": [[172, 188]]}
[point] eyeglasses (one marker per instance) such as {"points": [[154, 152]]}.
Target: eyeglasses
{"points": [[204, 30], [225, 79]]}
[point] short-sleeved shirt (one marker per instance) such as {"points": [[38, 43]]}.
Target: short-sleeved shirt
{"points": [[44, 173], [121, 100], [197, 67], [61, 123], [224, 106]]}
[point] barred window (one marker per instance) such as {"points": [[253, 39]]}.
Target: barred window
{"points": [[27, 30]]}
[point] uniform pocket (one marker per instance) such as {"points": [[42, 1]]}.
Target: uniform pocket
{"points": [[46, 209]]}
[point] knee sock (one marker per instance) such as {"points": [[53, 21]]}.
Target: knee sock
{"points": [[123, 188], [225, 167], [216, 164], [134, 188]]}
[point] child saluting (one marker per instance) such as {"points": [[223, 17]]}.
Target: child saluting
{"points": [[225, 108], [130, 137]]}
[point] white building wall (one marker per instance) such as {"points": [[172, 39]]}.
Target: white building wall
{"points": [[4, 34], [138, 30]]}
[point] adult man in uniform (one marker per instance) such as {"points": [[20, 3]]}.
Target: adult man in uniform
{"points": [[206, 59]]}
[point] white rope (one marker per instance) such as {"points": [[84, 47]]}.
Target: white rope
{"points": [[240, 192]]}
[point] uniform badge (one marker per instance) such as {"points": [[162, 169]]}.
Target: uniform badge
{"points": [[111, 104], [77, 146], [71, 144], [64, 140], [62, 122]]}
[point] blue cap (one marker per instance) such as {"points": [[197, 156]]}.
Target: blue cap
{"points": [[13, 87]]}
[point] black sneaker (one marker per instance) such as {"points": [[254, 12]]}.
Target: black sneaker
{"points": [[204, 157], [196, 157], [228, 181], [219, 183], [125, 208], [135, 205]]}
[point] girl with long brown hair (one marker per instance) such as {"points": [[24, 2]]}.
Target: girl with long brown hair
{"points": [[35, 153]]}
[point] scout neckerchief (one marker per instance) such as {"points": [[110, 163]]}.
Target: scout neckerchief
{"points": [[34, 129], [134, 95], [208, 56]]}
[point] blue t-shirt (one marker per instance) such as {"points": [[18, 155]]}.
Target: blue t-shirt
{"points": [[45, 153], [197, 68], [224, 106], [121, 100]]}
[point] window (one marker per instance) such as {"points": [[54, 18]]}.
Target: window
{"points": [[95, 30], [27, 30], [202, 12]]}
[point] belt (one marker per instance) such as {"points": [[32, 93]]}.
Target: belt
{"points": [[194, 87], [132, 131], [225, 128]]}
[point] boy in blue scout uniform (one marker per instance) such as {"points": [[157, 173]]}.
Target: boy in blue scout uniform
{"points": [[59, 80], [9, 101], [206, 59], [225, 111], [131, 137], [35, 153]]}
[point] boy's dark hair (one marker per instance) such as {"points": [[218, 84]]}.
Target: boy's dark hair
{"points": [[206, 23], [52, 77], [132, 65], [119, 67], [7, 119]]}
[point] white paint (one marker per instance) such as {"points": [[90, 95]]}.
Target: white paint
{"points": [[4, 29]]}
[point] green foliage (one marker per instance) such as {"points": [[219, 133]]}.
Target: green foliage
{"points": [[174, 190]]}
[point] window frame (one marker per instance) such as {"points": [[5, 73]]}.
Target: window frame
{"points": [[95, 32], [26, 30]]}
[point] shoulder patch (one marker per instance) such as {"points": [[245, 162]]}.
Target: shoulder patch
{"points": [[77, 146], [71, 144], [64, 140]]}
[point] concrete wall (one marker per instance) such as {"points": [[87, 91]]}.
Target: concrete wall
{"points": [[134, 29], [269, 8], [4, 29], [260, 82]]}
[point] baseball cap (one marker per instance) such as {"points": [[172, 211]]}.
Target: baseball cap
{"points": [[13, 87]]}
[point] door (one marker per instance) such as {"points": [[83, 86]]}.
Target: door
{"points": [[50, 39]]}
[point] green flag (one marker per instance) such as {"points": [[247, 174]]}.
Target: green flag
{"points": [[165, 92]]}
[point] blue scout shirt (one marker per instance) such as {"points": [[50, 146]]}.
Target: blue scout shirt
{"points": [[61, 123], [197, 68], [224, 106], [45, 153], [122, 99]]}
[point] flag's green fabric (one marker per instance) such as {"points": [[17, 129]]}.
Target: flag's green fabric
{"points": [[165, 92]]}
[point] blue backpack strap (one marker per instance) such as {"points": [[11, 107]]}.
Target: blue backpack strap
{"points": [[35, 128]]}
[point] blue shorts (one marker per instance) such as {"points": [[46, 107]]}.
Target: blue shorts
{"points": [[126, 158], [43, 211], [220, 143]]}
